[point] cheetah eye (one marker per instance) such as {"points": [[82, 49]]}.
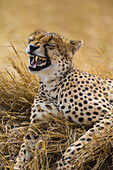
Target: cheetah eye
{"points": [[51, 46]]}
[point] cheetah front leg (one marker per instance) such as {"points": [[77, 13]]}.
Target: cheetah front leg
{"points": [[41, 106], [66, 162]]}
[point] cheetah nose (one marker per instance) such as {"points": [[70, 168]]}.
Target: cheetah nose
{"points": [[30, 48]]}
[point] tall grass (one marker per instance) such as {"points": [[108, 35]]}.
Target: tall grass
{"points": [[18, 88]]}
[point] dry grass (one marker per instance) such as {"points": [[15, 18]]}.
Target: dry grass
{"points": [[17, 91]]}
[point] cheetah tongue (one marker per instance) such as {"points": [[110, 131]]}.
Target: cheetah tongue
{"points": [[37, 61]]}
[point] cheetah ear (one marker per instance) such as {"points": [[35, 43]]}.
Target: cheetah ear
{"points": [[75, 45]]}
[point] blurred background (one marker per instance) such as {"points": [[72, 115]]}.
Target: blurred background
{"points": [[89, 20]]}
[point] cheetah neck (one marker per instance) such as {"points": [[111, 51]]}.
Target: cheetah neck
{"points": [[50, 81]]}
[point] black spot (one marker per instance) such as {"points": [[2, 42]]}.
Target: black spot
{"points": [[100, 128], [78, 149], [70, 118], [80, 104], [90, 99], [73, 112], [24, 160], [75, 91], [86, 88], [67, 111], [69, 92], [60, 164], [43, 93], [28, 137], [97, 125], [93, 117], [73, 152], [71, 100], [95, 113], [81, 119], [76, 97], [89, 119], [36, 137], [88, 139], [104, 111], [48, 106], [78, 144], [63, 85], [67, 158], [99, 108], [65, 100], [95, 104], [99, 95], [85, 102], [24, 151], [80, 76], [60, 102], [108, 123], [90, 107], [76, 108], [68, 150], [94, 91], [78, 82], [61, 95], [89, 94], [65, 95], [91, 130], [88, 113], [85, 108], [62, 107], [85, 97], [69, 107], [82, 114], [81, 98], [34, 115]]}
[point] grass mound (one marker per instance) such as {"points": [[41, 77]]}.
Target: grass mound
{"points": [[17, 91]]}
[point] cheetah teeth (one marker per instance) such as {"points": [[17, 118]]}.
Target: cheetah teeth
{"points": [[40, 58], [32, 61], [42, 64]]}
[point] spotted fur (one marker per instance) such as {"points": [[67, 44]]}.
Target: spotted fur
{"points": [[83, 98]]}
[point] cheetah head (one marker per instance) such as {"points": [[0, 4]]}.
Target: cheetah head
{"points": [[50, 53]]}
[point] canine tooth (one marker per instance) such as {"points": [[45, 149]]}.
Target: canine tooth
{"points": [[32, 61], [37, 58]]}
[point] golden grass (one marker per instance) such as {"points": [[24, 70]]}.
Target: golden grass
{"points": [[17, 91]]}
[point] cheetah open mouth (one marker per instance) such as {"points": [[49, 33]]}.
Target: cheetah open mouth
{"points": [[38, 63]]}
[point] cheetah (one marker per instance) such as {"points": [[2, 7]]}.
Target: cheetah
{"points": [[81, 97]]}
